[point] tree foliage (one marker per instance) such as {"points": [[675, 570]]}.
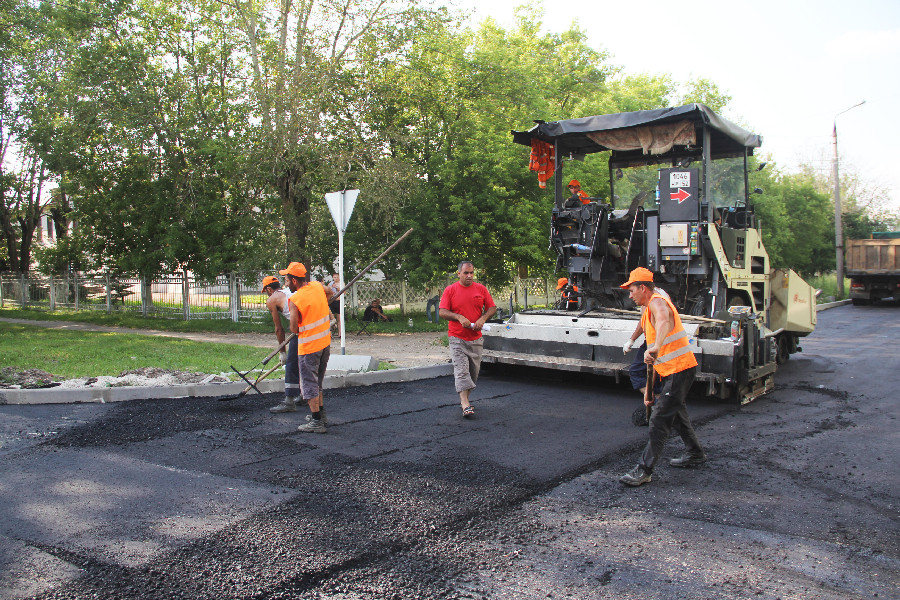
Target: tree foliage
{"points": [[202, 135]]}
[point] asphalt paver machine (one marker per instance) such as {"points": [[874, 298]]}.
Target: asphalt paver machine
{"points": [[679, 204]]}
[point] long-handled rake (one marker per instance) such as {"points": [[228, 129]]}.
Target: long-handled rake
{"points": [[251, 385]]}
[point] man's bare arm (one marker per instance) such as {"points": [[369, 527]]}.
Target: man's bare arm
{"points": [[488, 313], [449, 315], [295, 318], [272, 305]]}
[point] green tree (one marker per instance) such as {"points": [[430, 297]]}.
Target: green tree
{"points": [[455, 99], [311, 66], [146, 128], [22, 186], [797, 221]]}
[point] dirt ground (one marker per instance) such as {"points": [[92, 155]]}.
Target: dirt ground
{"points": [[401, 350]]}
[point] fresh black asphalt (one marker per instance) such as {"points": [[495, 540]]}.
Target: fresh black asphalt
{"points": [[403, 498]]}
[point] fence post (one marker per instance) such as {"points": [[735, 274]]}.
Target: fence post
{"points": [[1, 290], [75, 285], [108, 293], [546, 292], [23, 290], [185, 295], [144, 290], [52, 295], [403, 298], [353, 298], [234, 297]]}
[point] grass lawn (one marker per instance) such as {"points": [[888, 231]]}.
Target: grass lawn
{"points": [[136, 321], [72, 354]]}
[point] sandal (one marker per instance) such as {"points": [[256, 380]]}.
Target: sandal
{"points": [[468, 412]]}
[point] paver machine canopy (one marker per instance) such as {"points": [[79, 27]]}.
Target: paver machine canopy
{"points": [[672, 171]]}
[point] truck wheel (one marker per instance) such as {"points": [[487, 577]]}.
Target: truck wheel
{"points": [[782, 349]]}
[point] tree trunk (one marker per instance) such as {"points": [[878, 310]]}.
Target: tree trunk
{"points": [[295, 205]]}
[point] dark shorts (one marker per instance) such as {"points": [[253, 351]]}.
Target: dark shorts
{"points": [[312, 372]]}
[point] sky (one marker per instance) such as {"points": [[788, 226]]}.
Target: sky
{"points": [[790, 67]]}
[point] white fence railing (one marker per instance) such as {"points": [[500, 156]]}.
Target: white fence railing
{"points": [[227, 297]]}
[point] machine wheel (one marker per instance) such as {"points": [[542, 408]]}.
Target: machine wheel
{"points": [[782, 349]]}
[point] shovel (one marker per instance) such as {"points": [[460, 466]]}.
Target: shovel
{"points": [[641, 416]]}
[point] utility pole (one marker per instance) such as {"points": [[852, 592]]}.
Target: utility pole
{"points": [[838, 227]]}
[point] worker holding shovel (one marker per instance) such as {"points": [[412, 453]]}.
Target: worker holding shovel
{"points": [[311, 321], [668, 350]]}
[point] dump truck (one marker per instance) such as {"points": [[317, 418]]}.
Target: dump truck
{"points": [[873, 267], [679, 204]]}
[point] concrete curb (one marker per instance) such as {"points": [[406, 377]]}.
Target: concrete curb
{"points": [[828, 305], [212, 390]]}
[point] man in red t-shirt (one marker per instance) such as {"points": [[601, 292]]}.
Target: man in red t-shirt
{"points": [[466, 306]]}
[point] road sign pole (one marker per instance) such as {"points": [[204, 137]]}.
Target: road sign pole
{"points": [[341, 274], [341, 206]]}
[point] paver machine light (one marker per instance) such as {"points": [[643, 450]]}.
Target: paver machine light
{"points": [[679, 205]]}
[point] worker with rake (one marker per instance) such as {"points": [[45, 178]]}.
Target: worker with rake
{"points": [[311, 321]]}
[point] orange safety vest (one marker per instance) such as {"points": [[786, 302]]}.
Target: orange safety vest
{"points": [[675, 355], [572, 300], [315, 318]]}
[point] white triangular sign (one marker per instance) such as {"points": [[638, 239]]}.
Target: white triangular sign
{"points": [[341, 204]]}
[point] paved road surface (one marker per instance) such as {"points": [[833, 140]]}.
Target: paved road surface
{"points": [[405, 499]]}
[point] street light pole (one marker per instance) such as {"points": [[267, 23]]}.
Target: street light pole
{"points": [[838, 227]]}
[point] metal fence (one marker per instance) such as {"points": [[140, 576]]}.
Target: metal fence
{"points": [[227, 297]]}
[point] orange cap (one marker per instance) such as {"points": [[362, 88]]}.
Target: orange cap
{"points": [[268, 280], [296, 269], [574, 182], [638, 275], [561, 282]]}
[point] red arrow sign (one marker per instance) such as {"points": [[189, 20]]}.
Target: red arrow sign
{"points": [[680, 195]]}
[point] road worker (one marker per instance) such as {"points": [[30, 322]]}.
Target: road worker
{"points": [[668, 350], [311, 321], [278, 306]]}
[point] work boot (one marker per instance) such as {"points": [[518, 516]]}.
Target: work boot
{"points": [[324, 417], [287, 405], [688, 460], [635, 477], [313, 426]]}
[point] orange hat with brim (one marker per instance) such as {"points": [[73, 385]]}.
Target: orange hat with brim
{"points": [[638, 275], [268, 281], [561, 282], [574, 182], [296, 269]]}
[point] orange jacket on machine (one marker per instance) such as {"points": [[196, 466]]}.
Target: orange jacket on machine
{"points": [[315, 318], [543, 160], [675, 353]]}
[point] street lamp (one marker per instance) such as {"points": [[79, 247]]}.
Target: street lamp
{"points": [[838, 229]]}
